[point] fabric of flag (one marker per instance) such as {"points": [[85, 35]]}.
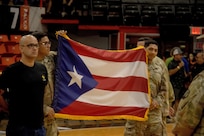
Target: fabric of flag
{"points": [[95, 84]]}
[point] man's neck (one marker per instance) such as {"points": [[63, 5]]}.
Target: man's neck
{"points": [[28, 62]]}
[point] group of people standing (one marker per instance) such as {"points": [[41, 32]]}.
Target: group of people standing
{"points": [[160, 89], [174, 93], [29, 88]]}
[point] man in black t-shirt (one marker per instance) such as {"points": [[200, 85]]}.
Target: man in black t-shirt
{"points": [[177, 74], [25, 81]]}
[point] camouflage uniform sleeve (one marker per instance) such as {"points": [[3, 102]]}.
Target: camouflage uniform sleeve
{"points": [[163, 95], [46, 104], [190, 110], [52, 53], [49, 90], [171, 94]]}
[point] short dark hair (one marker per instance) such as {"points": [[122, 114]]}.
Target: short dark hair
{"points": [[144, 39], [151, 41], [39, 35]]}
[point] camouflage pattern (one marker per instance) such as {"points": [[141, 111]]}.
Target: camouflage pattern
{"points": [[159, 87], [154, 129], [51, 127], [190, 113], [135, 128], [171, 95], [50, 124]]}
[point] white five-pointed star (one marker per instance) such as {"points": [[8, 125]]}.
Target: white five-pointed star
{"points": [[76, 78]]}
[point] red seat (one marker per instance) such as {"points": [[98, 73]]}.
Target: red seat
{"points": [[7, 59], [3, 38], [15, 38], [13, 48], [2, 48]]}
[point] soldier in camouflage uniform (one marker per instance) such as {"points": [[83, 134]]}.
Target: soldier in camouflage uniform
{"points": [[167, 109], [159, 95], [190, 113], [46, 57]]}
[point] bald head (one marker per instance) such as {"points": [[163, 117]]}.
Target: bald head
{"points": [[28, 46], [26, 39]]}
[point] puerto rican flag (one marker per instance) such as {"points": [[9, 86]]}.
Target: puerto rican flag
{"points": [[95, 84]]}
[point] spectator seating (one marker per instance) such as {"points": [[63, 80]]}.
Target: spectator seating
{"points": [[99, 11], [8, 59], [183, 15], [9, 50], [140, 13], [131, 14], [15, 38], [166, 14], [2, 48], [13, 48], [198, 16], [114, 15], [85, 17], [148, 15], [4, 38]]}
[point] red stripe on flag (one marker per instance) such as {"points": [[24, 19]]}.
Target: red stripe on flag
{"points": [[96, 110], [128, 55], [122, 84]]}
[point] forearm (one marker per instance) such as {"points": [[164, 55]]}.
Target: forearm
{"points": [[173, 71]]}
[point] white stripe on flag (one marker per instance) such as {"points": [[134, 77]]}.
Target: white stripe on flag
{"points": [[102, 68], [115, 98]]}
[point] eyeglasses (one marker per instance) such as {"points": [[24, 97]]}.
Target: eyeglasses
{"points": [[32, 45], [45, 43]]}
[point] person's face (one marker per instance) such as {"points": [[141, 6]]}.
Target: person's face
{"points": [[178, 57], [191, 56], [152, 51], [199, 58], [30, 47], [44, 46]]}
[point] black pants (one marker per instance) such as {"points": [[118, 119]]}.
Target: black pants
{"points": [[24, 131]]}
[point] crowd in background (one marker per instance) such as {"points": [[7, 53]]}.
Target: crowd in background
{"points": [[186, 78]]}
